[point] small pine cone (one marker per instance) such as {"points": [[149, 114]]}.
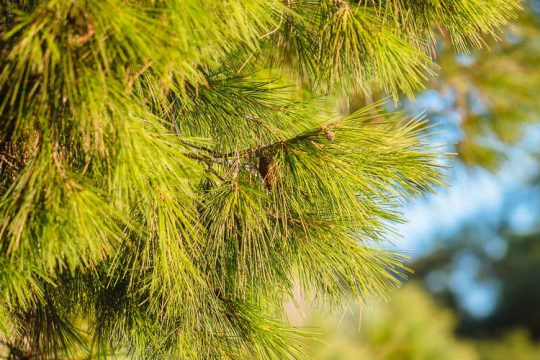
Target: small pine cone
{"points": [[330, 135], [268, 171]]}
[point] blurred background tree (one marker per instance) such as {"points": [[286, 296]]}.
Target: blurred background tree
{"points": [[488, 99], [412, 326], [494, 90]]}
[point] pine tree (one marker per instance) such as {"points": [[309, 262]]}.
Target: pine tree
{"points": [[171, 171]]}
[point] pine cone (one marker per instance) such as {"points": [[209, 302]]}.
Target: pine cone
{"points": [[268, 171], [330, 135]]}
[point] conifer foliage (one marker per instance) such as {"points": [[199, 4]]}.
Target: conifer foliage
{"points": [[171, 171]]}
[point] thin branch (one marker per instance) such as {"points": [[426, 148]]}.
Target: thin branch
{"points": [[257, 151]]}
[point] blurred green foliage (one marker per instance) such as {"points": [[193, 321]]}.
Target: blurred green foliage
{"points": [[495, 89], [402, 329], [516, 345], [411, 326], [516, 273]]}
